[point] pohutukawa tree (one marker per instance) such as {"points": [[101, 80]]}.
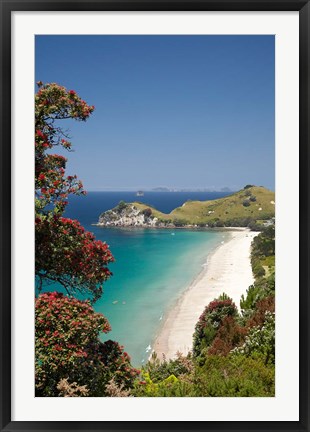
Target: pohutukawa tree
{"points": [[68, 347], [65, 252]]}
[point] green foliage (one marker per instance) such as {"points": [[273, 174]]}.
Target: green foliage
{"points": [[227, 211], [159, 370], [262, 254], [180, 222], [269, 261], [258, 269], [223, 297], [121, 206], [233, 356], [148, 388], [147, 212], [255, 226], [216, 376], [246, 203], [249, 301], [263, 261], [264, 244], [234, 376]]}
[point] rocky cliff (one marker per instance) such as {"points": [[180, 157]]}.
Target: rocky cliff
{"points": [[127, 215]]}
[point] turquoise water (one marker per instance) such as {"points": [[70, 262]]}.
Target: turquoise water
{"points": [[152, 269]]}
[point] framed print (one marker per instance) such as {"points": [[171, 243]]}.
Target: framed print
{"points": [[170, 288]]}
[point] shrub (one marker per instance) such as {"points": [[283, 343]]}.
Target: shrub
{"points": [[159, 370], [253, 294], [254, 226], [121, 206], [258, 270], [264, 243], [180, 222], [234, 376], [219, 223], [147, 388], [147, 212], [246, 203], [261, 289]]}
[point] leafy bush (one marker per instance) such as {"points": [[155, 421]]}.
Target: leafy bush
{"points": [[246, 203], [147, 212], [234, 376], [180, 222], [147, 388], [159, 370], [264, 243], [121, 206], [261, 289], [258, 270], [252, 296]]}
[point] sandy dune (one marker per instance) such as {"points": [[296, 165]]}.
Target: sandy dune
{"points": [[228, 270]]}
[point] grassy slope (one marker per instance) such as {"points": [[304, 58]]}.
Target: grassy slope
{"points": [[225, 209]]}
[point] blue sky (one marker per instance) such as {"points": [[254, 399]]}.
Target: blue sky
{"points": [[175, 111]]}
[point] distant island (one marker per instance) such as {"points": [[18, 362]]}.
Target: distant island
{"points": [[201, 189], [251, 207]]}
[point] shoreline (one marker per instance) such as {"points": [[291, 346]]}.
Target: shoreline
{"points": [[228, 269], [184, 227]]}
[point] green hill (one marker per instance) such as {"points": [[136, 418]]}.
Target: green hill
{"points": [[251, 204]]}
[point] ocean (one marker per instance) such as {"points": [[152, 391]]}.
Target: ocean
{"points": [[152, 266]]}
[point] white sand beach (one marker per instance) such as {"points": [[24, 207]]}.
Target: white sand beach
{"points": [[228, 270]]}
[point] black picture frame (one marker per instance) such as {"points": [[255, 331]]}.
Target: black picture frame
{"points": [[7, 7]]}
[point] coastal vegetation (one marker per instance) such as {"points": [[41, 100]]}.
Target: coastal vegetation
{"points": [[68, 347], [64, 252], [249, 207], [70, 359], [233, 352]]}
